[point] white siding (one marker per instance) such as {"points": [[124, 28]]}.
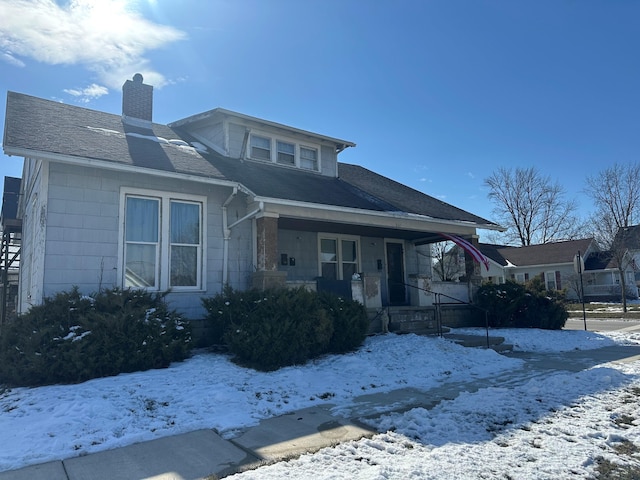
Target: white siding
{"points": [[83, 246]]}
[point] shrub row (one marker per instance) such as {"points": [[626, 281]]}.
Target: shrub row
{"points": [[514, 305], [271, 329], [72, 338]]}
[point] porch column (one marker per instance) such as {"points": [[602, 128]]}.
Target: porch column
{"points": [[267, 274], [472, 268]]}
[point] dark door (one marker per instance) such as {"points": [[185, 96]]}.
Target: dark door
{"points": [[395, 274]]}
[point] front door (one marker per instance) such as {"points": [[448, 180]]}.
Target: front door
{"points": [[395, 274]]}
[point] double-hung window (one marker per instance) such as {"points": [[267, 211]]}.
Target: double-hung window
{"points": [[163, 242], [338, 258], [260, 148], [286, 153], [309, 158]]}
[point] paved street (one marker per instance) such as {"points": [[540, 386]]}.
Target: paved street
{"points": [[603, 324]]}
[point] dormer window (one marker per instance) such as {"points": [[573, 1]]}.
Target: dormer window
{"points": [[284, 151], [260, 148], [309, 158]]}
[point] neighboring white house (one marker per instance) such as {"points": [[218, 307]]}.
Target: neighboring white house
{"points": [[218, 198], [554, 263]]}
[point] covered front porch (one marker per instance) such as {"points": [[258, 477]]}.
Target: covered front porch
{"points": [[386, 268]]}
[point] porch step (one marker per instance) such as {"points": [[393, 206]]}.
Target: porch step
{"points": [[495, 343]]}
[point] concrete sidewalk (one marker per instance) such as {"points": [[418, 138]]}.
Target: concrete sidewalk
{"points": [[203, 454]]}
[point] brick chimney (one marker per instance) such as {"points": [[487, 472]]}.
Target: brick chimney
{"points": [[137, 100]]}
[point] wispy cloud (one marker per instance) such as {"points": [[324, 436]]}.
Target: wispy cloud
{"points": [[108, 38], [11, 60], [470, 175], [89, 93]]}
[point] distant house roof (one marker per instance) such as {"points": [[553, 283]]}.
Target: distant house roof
{"points": [[37, 127], [545, 254], [629, 237], [600, 261]]}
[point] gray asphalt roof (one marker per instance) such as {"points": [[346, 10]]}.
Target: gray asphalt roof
{"points": [[545, 254], [37, 125]]}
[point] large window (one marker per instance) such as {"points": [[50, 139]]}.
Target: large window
{"points": [[142, 242], [162, 242], [338, 258]]}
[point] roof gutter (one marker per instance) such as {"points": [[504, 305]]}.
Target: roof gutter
{"points": [[118, 167], [379, 214]]}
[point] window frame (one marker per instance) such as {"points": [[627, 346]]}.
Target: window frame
{"points": [[316, 160], [550, 280], [339, 262], [164, 249], [287, 154], [252, 146]]}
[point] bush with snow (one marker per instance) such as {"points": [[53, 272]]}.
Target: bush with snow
{"points": [[72, 338]]}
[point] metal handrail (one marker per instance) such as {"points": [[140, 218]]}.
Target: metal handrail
{"points": [[438, 314]]}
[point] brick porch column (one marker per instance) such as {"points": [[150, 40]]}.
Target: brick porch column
{"points": [[267, 274], [472, 268], [267, 232]]}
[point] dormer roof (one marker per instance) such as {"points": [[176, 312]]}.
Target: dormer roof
{"points": [[219, 114]]}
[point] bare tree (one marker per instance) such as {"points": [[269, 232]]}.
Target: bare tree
{"points": [[447, 262], [532, 207], [616, 196]]}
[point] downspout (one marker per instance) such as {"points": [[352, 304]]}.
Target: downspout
{"points": [[227, 232], [226, 235]]}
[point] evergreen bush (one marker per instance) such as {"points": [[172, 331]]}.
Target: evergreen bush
{"points": [[275, 328], [513, 305], [72, 338], [350, 322]]}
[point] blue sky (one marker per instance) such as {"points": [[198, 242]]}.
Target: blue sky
{"points": [[437, 94]]}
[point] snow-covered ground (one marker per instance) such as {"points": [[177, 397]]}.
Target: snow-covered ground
{"points": [[551, 426]]}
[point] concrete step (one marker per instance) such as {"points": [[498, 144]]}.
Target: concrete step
{"points": [[495, 343]]}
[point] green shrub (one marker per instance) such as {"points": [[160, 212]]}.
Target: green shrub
{"points": [[350, 322], [271, 329], [283, 327], [72, 338], [513, 305]]}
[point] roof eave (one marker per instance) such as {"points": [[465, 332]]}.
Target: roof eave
{"points": [[200, 117], [121, 167]]}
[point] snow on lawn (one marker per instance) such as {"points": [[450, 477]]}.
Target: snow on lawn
{"points": [[520, 425]]}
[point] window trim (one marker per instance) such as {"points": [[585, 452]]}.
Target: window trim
{"points": [[339, 257], [164, 243]]}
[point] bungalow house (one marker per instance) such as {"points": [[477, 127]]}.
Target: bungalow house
{"points": [[554, 264], [218, 198]]}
